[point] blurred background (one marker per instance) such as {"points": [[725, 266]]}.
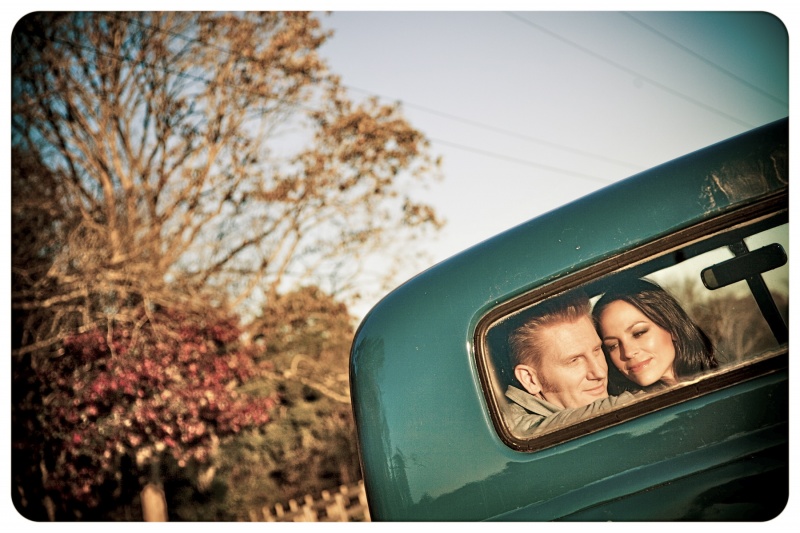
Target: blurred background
{"points": [[206, 204]]}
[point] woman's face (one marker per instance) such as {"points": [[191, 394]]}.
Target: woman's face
{"points": [[643, 351]]}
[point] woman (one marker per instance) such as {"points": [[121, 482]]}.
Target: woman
{"points": [[648, 338]]}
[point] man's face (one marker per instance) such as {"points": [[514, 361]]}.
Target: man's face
{"points": [[572, 371]]}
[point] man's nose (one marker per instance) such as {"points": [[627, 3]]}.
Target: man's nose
{"points": [[597, 367]]}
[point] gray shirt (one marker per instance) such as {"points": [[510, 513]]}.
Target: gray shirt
{"points": [[528, 414]]}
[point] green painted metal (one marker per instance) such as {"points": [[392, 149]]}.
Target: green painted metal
{"points": [[428, 448]]}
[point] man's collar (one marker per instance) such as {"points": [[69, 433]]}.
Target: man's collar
{"points": [[530, 402]]}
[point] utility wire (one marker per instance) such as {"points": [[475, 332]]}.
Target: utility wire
{"points": [[632, 72], [446, 115], [408, 104], [500, 130], [439, 141], [522, 161], [705, 60]]}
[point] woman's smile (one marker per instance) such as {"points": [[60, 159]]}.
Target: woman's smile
{"points": [[642, 350], [640, 366]]}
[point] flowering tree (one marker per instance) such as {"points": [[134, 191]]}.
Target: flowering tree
{"points": [[165, 387]]}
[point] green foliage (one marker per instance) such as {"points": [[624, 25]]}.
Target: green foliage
{"points": [[310, 444], [309, 447], [305, 322]]}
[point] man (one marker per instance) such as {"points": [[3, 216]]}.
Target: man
{"points": [[558, 359]]}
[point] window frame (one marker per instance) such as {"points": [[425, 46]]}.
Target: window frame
{"points": [[719, 228]]}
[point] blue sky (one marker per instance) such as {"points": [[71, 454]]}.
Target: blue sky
{"points": [[532, 109]]}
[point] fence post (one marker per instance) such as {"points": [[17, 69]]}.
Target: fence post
{"points": [[154, 504], [344, 513], [362, 499], [348, 503], [330, 507], [309, 513]]}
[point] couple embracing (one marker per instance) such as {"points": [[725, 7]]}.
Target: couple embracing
{"points": [[637, 337]]}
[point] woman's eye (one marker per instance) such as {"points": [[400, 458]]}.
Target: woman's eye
{"points": [[611, 347], [637, 334]]}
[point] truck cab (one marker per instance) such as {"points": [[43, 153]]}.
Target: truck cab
{"points": [[430, 363]]}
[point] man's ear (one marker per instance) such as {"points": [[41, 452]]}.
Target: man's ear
{"points": [[526, 375]]}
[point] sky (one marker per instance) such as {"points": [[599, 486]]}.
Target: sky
{"points": [[533, 109], [530, 110]]}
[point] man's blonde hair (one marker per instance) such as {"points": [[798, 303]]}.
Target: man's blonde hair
{"points": [[525, 341]]}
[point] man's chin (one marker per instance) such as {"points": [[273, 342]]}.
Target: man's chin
{"points": [[597, 393]]}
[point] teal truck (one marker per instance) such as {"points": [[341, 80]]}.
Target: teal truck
{"points": [[430, 362]]}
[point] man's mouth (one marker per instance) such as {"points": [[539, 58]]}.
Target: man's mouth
{"points": [[600, 389]]}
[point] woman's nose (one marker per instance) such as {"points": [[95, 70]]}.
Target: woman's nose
{"points": [[628, 350]]}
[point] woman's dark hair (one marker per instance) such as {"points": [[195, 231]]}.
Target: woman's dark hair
{"points": [[694, 351]]}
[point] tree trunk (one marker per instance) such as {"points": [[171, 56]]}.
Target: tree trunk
{"points": [[154, 504]]}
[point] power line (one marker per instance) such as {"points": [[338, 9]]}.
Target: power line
{"points": [[632, 72], [428, 110], [705, 60], [500, 130], [521, 161], [439, 141], [419, 107], [407, 104]]}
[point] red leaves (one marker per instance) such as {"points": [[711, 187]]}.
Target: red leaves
{"points": [[169, 387]]}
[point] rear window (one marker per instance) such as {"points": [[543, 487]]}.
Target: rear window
{"points": [[730, 276]]}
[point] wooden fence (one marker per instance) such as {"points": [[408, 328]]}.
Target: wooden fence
{"points": [[347, 505]]}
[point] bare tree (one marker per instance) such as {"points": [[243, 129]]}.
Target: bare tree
{"points": [[191, 163], [194, 159], [730, 317]]}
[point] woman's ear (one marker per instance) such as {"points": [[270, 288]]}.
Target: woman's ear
{"points": [[526, 375]]}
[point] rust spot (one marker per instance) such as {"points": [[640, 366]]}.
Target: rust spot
{"points": [[745, 178]]}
